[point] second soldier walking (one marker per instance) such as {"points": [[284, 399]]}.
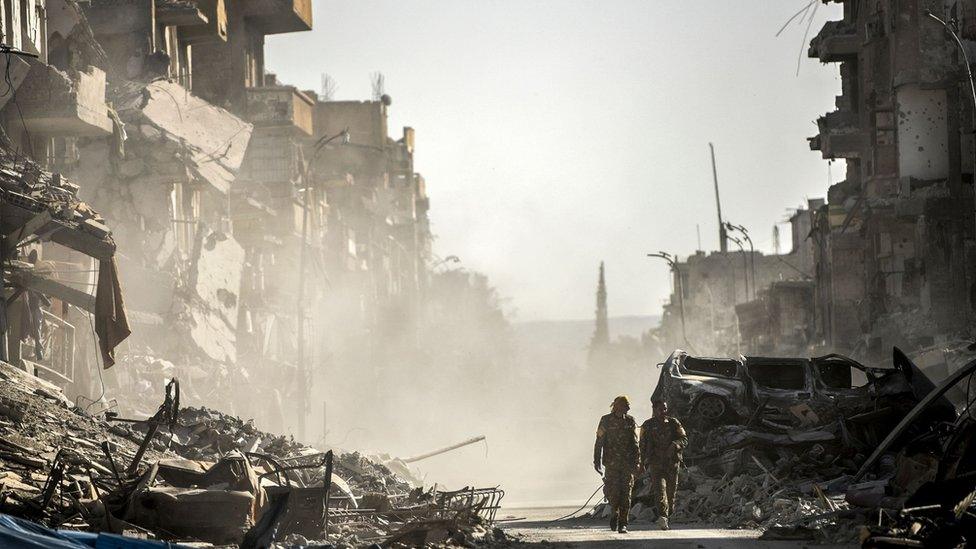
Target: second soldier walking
{"points": [[662, 440]]}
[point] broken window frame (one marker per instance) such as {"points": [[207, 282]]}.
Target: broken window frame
{"points": [[871, 374], [761, 388], [58, 335], [683, 367]]}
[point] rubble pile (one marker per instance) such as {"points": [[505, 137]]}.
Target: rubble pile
{"points": [[197, 475], [925, 496], [206, 434], [756, 485]]}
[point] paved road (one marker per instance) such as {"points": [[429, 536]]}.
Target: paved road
{"points": [[535, 528]]}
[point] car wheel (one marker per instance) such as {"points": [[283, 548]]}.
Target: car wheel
{"points": [[711, 408]]}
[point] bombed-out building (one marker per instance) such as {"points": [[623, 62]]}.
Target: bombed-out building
{"points": [[714, 294], [888, 259], [894, 243], [251, 218]]}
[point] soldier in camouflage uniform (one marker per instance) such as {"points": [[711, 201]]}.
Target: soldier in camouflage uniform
{"points": [[662, 439], [616, 449]]}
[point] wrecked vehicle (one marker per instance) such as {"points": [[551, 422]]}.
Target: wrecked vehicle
{"points": [[709, 392]]}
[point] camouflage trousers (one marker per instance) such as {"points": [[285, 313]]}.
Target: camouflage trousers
{"points": [[664, 483], [618, 483]]}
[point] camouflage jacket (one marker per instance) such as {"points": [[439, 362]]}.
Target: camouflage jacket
{"points": [[616, 442], [661, 442]]}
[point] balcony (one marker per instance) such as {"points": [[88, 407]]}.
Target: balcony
{"points": [[64, 104], [281, 108], [837, 41], [213, 27], [279, 16], [179, 13], [839, 136]]}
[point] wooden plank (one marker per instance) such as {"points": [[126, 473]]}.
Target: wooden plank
{"points": [[55, 289], [61, 232]]}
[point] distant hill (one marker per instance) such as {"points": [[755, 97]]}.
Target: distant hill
{"points": [[569, 339], [619, 326]]}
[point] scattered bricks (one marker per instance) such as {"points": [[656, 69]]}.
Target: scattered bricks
{"points": [[14, 408]]}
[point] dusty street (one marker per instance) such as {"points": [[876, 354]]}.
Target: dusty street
{"points": [[255, 298], [535, 527]]}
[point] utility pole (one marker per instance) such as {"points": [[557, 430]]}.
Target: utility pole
{"points": [[302, 368], [722, 234]]}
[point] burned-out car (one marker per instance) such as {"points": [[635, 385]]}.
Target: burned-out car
{"points": [[707, 392]]}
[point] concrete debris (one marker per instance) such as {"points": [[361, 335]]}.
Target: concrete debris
{"points": [[925, 496], [197, 475], [213, 139]]}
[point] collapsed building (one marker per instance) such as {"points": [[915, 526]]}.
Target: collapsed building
{"points": [[59, 253], [718, 300], [198, 476], [257, 233], [235, 199], [894, 241]]}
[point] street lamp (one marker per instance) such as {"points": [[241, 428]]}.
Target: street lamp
{"points": [[442, 261], [681, 293], [303, 381], [752, 252]]}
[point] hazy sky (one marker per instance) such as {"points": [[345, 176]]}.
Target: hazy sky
{"points": [[555, 134]]}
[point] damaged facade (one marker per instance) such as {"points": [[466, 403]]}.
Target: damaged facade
{"points": [[895, 239], [714, 293], [63, 314], [243, 230], [258, 234]]}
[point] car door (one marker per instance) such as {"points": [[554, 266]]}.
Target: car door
{"points": [[843, 382]]}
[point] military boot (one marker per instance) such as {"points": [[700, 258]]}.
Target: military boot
{"points": [[662, 523], [613, 521]]}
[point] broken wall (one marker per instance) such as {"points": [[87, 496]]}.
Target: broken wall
{"points": [[164, 190], [899, 267]]}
